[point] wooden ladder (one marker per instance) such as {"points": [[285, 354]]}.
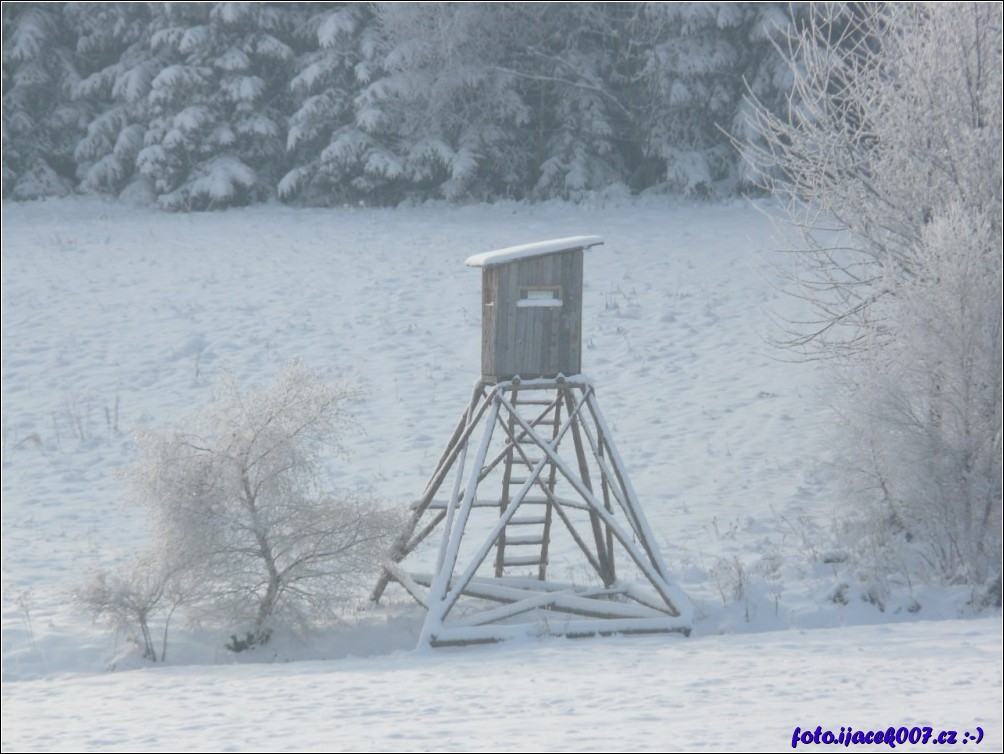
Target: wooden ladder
{"points": [[523, 543]]}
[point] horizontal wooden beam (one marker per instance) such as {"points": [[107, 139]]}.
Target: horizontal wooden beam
{"points": [[446, 636]]}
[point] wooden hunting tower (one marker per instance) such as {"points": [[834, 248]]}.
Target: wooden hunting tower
{"points": [[545, 487]]}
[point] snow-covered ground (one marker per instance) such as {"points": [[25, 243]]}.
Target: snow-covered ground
{"points": [[116, 319]]}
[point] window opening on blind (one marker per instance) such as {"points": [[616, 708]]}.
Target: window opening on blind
{"points": [[539, 295]]}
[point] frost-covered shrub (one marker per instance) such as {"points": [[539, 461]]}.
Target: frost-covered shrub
{"points": [[925, 434], [139, 599]]}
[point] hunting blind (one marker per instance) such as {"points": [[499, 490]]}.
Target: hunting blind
{"points": [[531, 309], [537, 516]]}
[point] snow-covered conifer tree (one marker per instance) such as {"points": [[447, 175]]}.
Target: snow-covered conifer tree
{"points": [[699, 66], [328, 145], [113, 43], [40, 122], [205, 105], [217, 128]]}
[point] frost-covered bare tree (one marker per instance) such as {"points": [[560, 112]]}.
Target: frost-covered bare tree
{"points": [[890, 163], [895, 115], [238, 496]]}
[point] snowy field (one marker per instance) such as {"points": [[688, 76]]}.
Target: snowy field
{"points": [[116, 319]]}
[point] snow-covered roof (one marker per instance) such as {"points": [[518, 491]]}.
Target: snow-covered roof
{"points": [[528, 250]]}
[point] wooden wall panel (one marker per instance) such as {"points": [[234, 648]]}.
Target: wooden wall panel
{"points": [[532, 341]]}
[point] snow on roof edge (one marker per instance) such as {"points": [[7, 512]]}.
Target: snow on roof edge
{"points": [[528, 250]]}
